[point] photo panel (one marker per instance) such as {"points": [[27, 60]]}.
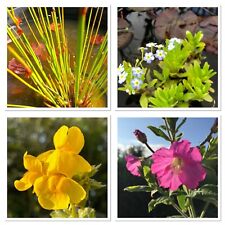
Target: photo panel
{"points": [[57, 168], [57, 57], [169, 167], [168, 57]]}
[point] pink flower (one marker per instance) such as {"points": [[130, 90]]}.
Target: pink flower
{"points": [[133, 164], [180, 164]]}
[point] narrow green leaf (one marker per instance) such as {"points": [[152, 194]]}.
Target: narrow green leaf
{"points": [[159, 132], [139, 188], [181, 124], [161, 200]]}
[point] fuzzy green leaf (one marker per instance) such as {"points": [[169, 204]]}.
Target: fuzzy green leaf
{"points": [[161, 200]]}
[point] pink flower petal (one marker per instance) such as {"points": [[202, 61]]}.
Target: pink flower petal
{"points": [[133, 164], [160, 165], [195, 154], [192, 174], [180, 148], [170, 180], [162, 153]]}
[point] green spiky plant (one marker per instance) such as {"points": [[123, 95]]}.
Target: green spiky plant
{"points": [[64, 79]]}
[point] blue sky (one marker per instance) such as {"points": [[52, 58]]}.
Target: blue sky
{"points": [[195, 130]]}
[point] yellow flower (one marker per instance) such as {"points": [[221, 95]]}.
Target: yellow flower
{"points": [[50, 172], [57, 192], [65, 159], [34, 170]]}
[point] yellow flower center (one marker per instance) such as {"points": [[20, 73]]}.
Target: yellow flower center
{"points": [[177, 164]]}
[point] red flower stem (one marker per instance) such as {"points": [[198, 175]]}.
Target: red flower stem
{"points": [[149, 148]]}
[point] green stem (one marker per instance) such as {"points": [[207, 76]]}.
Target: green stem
{"points": [[168, 130], [73, 211], [192, 208], [175, 206], [204, 210], [79, 51]]}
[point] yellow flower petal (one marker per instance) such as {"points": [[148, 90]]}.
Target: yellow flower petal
{"points": [[75, 140], [43, 157], [81, 165], [71, 139], [54, 201], [50, 194], [67, 163], [31, 163], [26, 181], [60, 137], [73, 189]]}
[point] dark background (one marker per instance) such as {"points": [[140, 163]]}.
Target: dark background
{"points": [[35, 135]]}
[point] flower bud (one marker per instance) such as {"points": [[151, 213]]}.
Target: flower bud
{"points": [[140, 136]]}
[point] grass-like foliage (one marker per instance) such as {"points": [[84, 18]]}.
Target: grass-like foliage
{"points": [[63, 78]]}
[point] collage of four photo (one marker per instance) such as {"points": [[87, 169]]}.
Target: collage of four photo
{"points": [[91, 134]]}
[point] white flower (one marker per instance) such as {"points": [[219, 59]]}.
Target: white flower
{"points": [[172, 42], [136, 83], [120, 69], [159, 46], [137, 71], [171, 46], [149, 57], [122, 77], [151, 44], [160, 54]]}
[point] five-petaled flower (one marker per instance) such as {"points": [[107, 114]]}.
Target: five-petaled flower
{"points": [[160, 54], [136, 83], [149, 57], [51, 172], [180, 164], [137, 71]]}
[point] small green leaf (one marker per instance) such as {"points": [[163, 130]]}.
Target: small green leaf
{"points": [[152, 83], [208, 98], [59, 214], [86, 212], [181, 199], [181, 124], [148, 176], [179, 136], [161, 200], [94, 170], [144, 101], [96, 184]]}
